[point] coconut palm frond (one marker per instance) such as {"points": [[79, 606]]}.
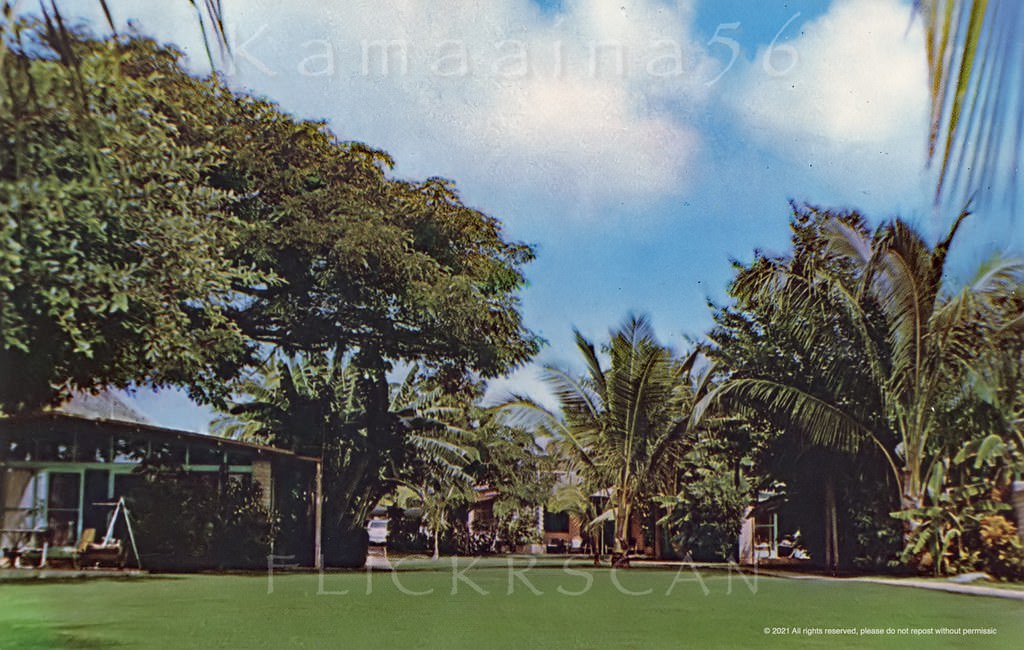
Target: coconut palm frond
{"points": [[967, 323], [846, 241], [589, 353], [999, 278], [526, 413], [972, 51], [572, 499], [574, 395], [822, 422], [769, 279]]}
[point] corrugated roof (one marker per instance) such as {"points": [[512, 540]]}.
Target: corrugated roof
{"points": [[104, 405]]}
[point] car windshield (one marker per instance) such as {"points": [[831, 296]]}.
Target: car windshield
{"points": [[378, 524]]}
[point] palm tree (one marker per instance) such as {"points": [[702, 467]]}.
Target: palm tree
{"points": [[624, 426], [917, 342]]}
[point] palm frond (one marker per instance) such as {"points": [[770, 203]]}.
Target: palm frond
{"points": [[572, 499], [822, 422], [589, 352], [576, 398], [519, 411], [447, 454], [972, 52]]}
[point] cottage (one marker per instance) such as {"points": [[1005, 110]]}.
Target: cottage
{"points": [[62, 472]]}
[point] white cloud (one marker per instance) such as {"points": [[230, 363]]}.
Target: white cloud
{"points": [[578, 105], [581, 137], [525, 382], [854, 103]]}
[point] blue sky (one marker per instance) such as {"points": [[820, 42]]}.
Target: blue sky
{"points": [[625, 140]]}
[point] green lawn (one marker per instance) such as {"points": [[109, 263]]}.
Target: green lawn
{"points": [[231, 611]]}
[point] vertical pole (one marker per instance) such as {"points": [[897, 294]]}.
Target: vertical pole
{"points": [[131, 533], [109, 537], [832, 526], [774, 551], [81, 504], [318, 559], [835, 534]]}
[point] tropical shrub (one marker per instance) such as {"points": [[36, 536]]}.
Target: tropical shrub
{"points": [[1002, 553], [877, 537], [946, 530], [404, 532], [478, 541], [515, 526], [190, 521], [705, 517]]}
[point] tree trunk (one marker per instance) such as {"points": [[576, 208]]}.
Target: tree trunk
{"points": [[831, 526], [437, 551], [911, 499], [620, 556]]}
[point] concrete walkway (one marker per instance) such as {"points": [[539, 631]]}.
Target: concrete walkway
{"points": [[18, 575], [377, 559], [917, 583], [949, 587]]}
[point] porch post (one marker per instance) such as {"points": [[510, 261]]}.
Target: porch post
{"points": [[318, 560]]}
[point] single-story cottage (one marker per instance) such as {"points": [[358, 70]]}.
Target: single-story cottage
{"points": [[62, 473]]}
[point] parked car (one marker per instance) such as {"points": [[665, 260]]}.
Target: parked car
{"points": [[378, 531]]}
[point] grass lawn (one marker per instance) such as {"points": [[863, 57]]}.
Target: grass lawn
{"points": [[229, 611]]}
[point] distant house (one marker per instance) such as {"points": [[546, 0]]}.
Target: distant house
{"points": [[564, 532], [480, 513], [62, 471], [1017, 499], [759, 533]]}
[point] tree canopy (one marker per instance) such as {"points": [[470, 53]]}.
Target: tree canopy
{"points": [[150, 236], [855, 342], [112, 249]]}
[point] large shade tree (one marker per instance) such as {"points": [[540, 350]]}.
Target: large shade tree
{"points": [[112, 247], [396, 269], [155, 239]]}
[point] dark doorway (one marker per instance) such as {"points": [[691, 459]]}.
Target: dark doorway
{"points": [[96, 500]]}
